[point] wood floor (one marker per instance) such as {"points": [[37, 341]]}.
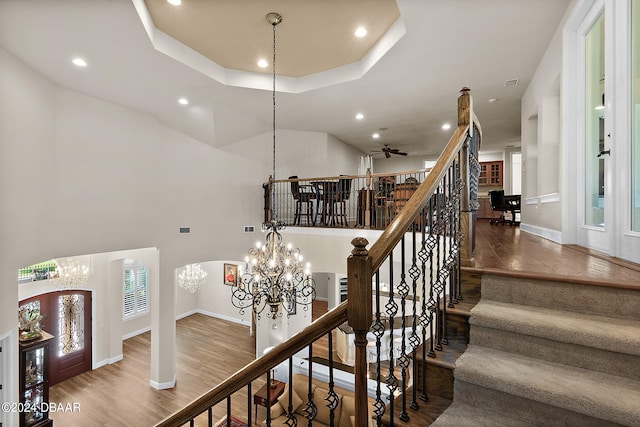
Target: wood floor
{"points": [[209, 349]]}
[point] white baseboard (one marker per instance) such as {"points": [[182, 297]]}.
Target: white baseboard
{"points": [[186, 314], [547, 233], [105, 362], [163, 386], [134, 333], [223, 317]]}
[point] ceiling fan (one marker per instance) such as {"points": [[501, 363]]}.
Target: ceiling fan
{"points": [[388, 151]]}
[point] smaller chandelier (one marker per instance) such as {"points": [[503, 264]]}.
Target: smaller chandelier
{"points": [[274, 277], [192, 277], [70, 274]]}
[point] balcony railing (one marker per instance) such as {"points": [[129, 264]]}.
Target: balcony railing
{"points": [[346, 201], [399, 291]]}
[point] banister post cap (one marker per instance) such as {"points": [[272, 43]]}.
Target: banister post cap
{"points": [[359, 246]]}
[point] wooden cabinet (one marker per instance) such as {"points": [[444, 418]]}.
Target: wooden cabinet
{"points": [[34, 382], [491, 174]]}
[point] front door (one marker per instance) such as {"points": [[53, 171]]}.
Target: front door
{"points": [[67, 316]]}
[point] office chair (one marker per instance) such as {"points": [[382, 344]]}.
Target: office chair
{"points": [[503, 204]]}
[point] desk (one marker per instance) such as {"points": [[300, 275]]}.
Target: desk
{"points": [[260, 396]]}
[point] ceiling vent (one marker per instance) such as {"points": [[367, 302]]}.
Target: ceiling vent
{"points": [[511, 82]]}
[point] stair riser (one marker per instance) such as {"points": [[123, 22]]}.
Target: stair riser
{"points": [[580, 298], [608, 362], [439, 380], [538, 414], [457, 327], [470, 285]]}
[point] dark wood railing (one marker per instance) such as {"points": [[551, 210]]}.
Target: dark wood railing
{"points": [[398, 294]]}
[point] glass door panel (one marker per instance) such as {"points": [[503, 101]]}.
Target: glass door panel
{"points": [[594, 213], [635, 115]]}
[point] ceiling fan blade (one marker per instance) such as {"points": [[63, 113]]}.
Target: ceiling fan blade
{"points": [[386, 154], [400, 153]]}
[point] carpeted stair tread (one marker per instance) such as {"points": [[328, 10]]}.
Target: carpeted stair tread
{"points": [[461, 415], [612, 334], [591, 393], [562, 295]]}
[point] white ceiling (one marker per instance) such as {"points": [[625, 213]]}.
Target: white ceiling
{"points": [[411, 90]]}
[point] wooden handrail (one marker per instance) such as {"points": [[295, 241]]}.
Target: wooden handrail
{"points": [[333, 178], [253, 370], [363, 263], [394, 232]]}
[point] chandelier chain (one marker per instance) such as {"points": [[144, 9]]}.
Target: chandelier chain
{"points": [[273, 213]]}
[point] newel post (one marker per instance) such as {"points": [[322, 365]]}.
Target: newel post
{"points": [[359, 312], [465, 114]]}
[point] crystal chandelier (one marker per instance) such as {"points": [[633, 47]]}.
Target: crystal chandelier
{"points": [[274, 276], [70, 274], [192, 277]]}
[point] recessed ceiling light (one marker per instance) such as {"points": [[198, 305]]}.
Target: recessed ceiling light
{"points": [[359, 116], [79, 62], [492, 100], [446, 126], [175, 2], [263, 63], [375, 135], [183, 101], [361, 32]]}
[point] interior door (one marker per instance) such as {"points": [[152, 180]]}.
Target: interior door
{"points": [[67, 316]]}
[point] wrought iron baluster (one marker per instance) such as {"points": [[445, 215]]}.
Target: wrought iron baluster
{"points": [[431, 244], [414, 339], [332, 399], [391, 309], [438, 285], [249, 420], [403, 361], [268, 420], [310, 410], [291, 419], [378, 330], [229, 410]]}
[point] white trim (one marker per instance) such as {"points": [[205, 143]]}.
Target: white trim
{"points": [[186, 314], [116, 359], [348, 232], [531, 201], [163, 386], [542, 199], [547, 233], [110, 361], [549, 198], [223, 317], [8, 365], [100, 364], [134, 333]]}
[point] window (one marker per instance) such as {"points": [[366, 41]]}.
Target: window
{"points": [[136, 294]]}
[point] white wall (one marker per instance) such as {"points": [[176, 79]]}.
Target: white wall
{"points": [[80, 176], [305, 154], [542, 144], [97, 178]]}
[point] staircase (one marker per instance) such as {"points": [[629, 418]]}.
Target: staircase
{"points": [[549, 352]]}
